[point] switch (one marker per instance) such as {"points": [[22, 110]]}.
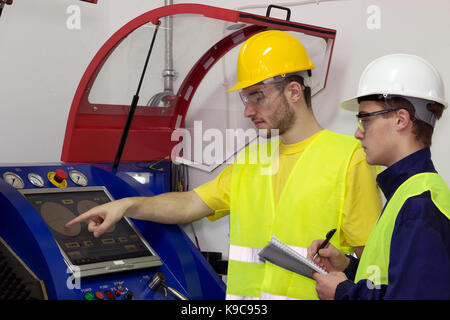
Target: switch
{"points": [[88, 296], [110, 295], [60, 175], [58, 178], [99, 295], [129, 295]]}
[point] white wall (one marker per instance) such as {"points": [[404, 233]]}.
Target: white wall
{"points": [[41, 64], [42, 61]]}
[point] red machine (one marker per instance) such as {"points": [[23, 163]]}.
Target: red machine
{"points": [[94, 129]]}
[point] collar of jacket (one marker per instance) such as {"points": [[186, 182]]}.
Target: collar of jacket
{"points": [[392, 177]]}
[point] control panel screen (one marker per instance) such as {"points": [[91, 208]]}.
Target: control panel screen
{"points": [[120, 247]]}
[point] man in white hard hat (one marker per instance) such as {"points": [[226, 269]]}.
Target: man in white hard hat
{"points": [[407, 255], [303, 200]]}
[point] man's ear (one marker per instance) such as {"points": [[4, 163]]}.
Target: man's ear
{"points": [[403, 119], [294, 91]]}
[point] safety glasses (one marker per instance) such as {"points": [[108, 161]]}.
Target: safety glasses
{"points": [[362, 118], [260, 96]]}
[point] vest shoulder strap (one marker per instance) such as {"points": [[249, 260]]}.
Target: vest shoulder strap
{"points": [[422, 182]]}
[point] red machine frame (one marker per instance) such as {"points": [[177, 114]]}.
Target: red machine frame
{"points": [[94, 137]]}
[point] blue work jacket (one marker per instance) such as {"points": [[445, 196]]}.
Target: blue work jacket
{"points": [[419, 262]]}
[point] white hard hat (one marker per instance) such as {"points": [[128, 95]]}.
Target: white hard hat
{"points": [[400, 75]]}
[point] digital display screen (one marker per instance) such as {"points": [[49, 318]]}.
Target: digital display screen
{"points": [[119, 242]]}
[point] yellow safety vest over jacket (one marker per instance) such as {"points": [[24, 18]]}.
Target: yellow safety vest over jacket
{"points": [[407, 254], [310, 205], [374, 264]]}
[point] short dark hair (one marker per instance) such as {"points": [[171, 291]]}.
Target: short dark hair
{"points": [[421, 130], [305, 89]]}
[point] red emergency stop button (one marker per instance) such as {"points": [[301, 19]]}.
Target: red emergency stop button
{"points": [[60, 175], [110, 295], [99, 296]]}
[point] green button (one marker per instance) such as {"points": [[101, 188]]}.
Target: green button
{"points": [[88, 296]]}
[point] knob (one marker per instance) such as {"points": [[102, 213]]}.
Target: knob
{"points": [[60, 175], [99, 296], [129, 295]]}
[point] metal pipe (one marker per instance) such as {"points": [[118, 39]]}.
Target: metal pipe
{"points": [[168, 72]]}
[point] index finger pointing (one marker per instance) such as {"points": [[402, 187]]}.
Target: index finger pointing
{"points": [[83, 217]]}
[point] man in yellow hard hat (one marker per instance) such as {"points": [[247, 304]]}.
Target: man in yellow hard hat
{"points": [[322, 182]]}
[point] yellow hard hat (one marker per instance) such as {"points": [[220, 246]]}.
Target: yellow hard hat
{"points": [[269, 54]]}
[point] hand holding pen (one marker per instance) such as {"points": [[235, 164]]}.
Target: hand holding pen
{"points": [[330, 258], [327, 239]]}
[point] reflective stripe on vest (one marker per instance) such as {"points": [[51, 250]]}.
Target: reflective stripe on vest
{"points": [[264, 296], [310, 204], [250, 255], [374, 264], [246, 254]]}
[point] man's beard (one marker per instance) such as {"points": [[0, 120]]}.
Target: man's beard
{"points": [[282, 119]]}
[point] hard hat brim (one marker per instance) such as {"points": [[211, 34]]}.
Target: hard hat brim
{"points": [[240, 85], [352, 104], [246, 84]]}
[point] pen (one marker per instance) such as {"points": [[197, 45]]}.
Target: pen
{"points": [[327, 239]]}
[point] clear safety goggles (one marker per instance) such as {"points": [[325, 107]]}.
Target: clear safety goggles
{"points": [[363, 121], [260, 96], [420, 107]]}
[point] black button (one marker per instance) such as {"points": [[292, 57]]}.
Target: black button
{"points": [[129, 295]]}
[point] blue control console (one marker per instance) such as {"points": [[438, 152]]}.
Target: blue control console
{"points": [[37, 200]]}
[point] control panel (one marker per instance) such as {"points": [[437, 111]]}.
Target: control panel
{"points": [[132, 260]]}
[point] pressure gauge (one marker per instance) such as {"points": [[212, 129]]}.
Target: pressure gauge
{"points": [[36, 179], [78, 178], [14, 180]]}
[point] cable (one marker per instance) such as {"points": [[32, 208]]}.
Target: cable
{"points": [[180, 183], [134, 103]]}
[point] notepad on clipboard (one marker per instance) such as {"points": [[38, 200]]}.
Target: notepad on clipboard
{"points": [[282, 255]]}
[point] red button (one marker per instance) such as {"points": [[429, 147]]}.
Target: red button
{"points": [[99, 295], [60, 175], [117, 293], [110, 295]]}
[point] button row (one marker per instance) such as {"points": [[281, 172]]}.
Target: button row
{"points": [[109, 294]]}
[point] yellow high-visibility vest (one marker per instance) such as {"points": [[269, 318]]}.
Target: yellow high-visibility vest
{"points": [[310, 205], [374, 264]]}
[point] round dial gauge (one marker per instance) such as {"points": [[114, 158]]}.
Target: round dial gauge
{"points": [[36, 179], [14, 180], [78, 178]]}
